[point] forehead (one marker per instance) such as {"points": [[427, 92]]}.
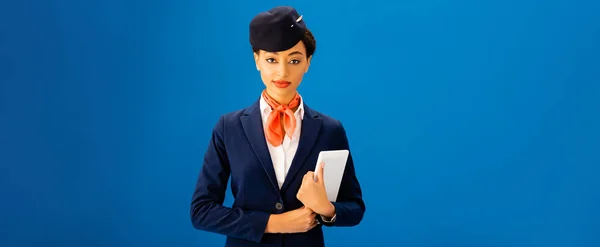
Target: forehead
{"points": [[298, 49]]}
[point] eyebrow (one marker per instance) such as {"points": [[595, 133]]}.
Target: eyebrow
{"points": [[291, 53]]}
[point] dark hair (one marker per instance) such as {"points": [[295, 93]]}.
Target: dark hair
{"points": [[309, 42]]}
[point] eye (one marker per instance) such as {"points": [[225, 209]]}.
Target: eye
{"points": [[270, 60], [295, 61]]}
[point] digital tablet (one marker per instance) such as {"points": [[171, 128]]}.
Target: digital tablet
{"points": [[335, 163]]}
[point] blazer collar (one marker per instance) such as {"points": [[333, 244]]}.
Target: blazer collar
{"points": [[253, 128], [255, 107]]}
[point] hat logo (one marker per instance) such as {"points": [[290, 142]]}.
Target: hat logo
{"points": [[297, 20]]}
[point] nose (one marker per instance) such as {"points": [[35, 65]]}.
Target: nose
{"points": [[283, 69]]}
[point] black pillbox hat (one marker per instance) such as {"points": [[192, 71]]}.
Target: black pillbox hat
{"points": [[277, 29]]}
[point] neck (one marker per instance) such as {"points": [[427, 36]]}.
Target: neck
{"points": [[282, 99]]}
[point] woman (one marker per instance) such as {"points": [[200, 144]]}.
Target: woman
{"points": [[269, 150]]}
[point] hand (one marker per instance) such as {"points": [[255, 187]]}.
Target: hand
{"points": [[298, 220], [313, 195]]}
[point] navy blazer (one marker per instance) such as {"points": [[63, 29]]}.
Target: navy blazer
{"points": [[238, 149]]}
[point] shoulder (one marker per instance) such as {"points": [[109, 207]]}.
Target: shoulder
{"points": [[327, 121], [233, 117], [332, 128]]}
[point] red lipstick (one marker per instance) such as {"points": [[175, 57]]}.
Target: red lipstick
{"points": [[282, 83]]}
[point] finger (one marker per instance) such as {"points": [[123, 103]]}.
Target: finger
{"points": [[313, 225], [320, 174], [308, 211], [312, 221], [308, 177]]}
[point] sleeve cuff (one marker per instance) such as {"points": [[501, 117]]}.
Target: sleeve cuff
{"points": [[330, 220]]}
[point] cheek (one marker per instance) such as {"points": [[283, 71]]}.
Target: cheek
{"points": [[298, 73], [267, 71]]}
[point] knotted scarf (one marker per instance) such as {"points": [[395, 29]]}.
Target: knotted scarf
{"points": [[280, 113]]}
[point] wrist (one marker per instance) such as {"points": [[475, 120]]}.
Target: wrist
{"points": [[273, 224], [328, 210]]}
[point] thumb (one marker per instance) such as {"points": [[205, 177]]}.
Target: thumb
{"points": [[320, 174]]}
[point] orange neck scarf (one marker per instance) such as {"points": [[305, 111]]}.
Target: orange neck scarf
{"points": [[280, 113]]}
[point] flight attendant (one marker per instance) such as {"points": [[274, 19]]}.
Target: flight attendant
{"points": [[269, 151]]}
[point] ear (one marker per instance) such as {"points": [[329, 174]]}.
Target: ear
{"points": [[256, 60], [308, 64]]}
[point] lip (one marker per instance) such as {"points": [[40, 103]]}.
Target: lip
{"points": [[282, 83]]}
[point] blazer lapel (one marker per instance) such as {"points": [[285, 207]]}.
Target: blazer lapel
{"points": [[311, 125], [253, 127]]}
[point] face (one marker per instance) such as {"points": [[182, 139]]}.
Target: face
{"points": [[282, 71]]}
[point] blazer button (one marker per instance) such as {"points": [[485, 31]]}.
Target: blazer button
{"points": [[278, 206]]}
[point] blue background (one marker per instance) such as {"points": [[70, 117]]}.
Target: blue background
{"points": [[489, 111]]}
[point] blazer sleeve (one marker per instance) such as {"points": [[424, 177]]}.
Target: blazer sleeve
{"points": [[207, 210], [349, 206]]}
